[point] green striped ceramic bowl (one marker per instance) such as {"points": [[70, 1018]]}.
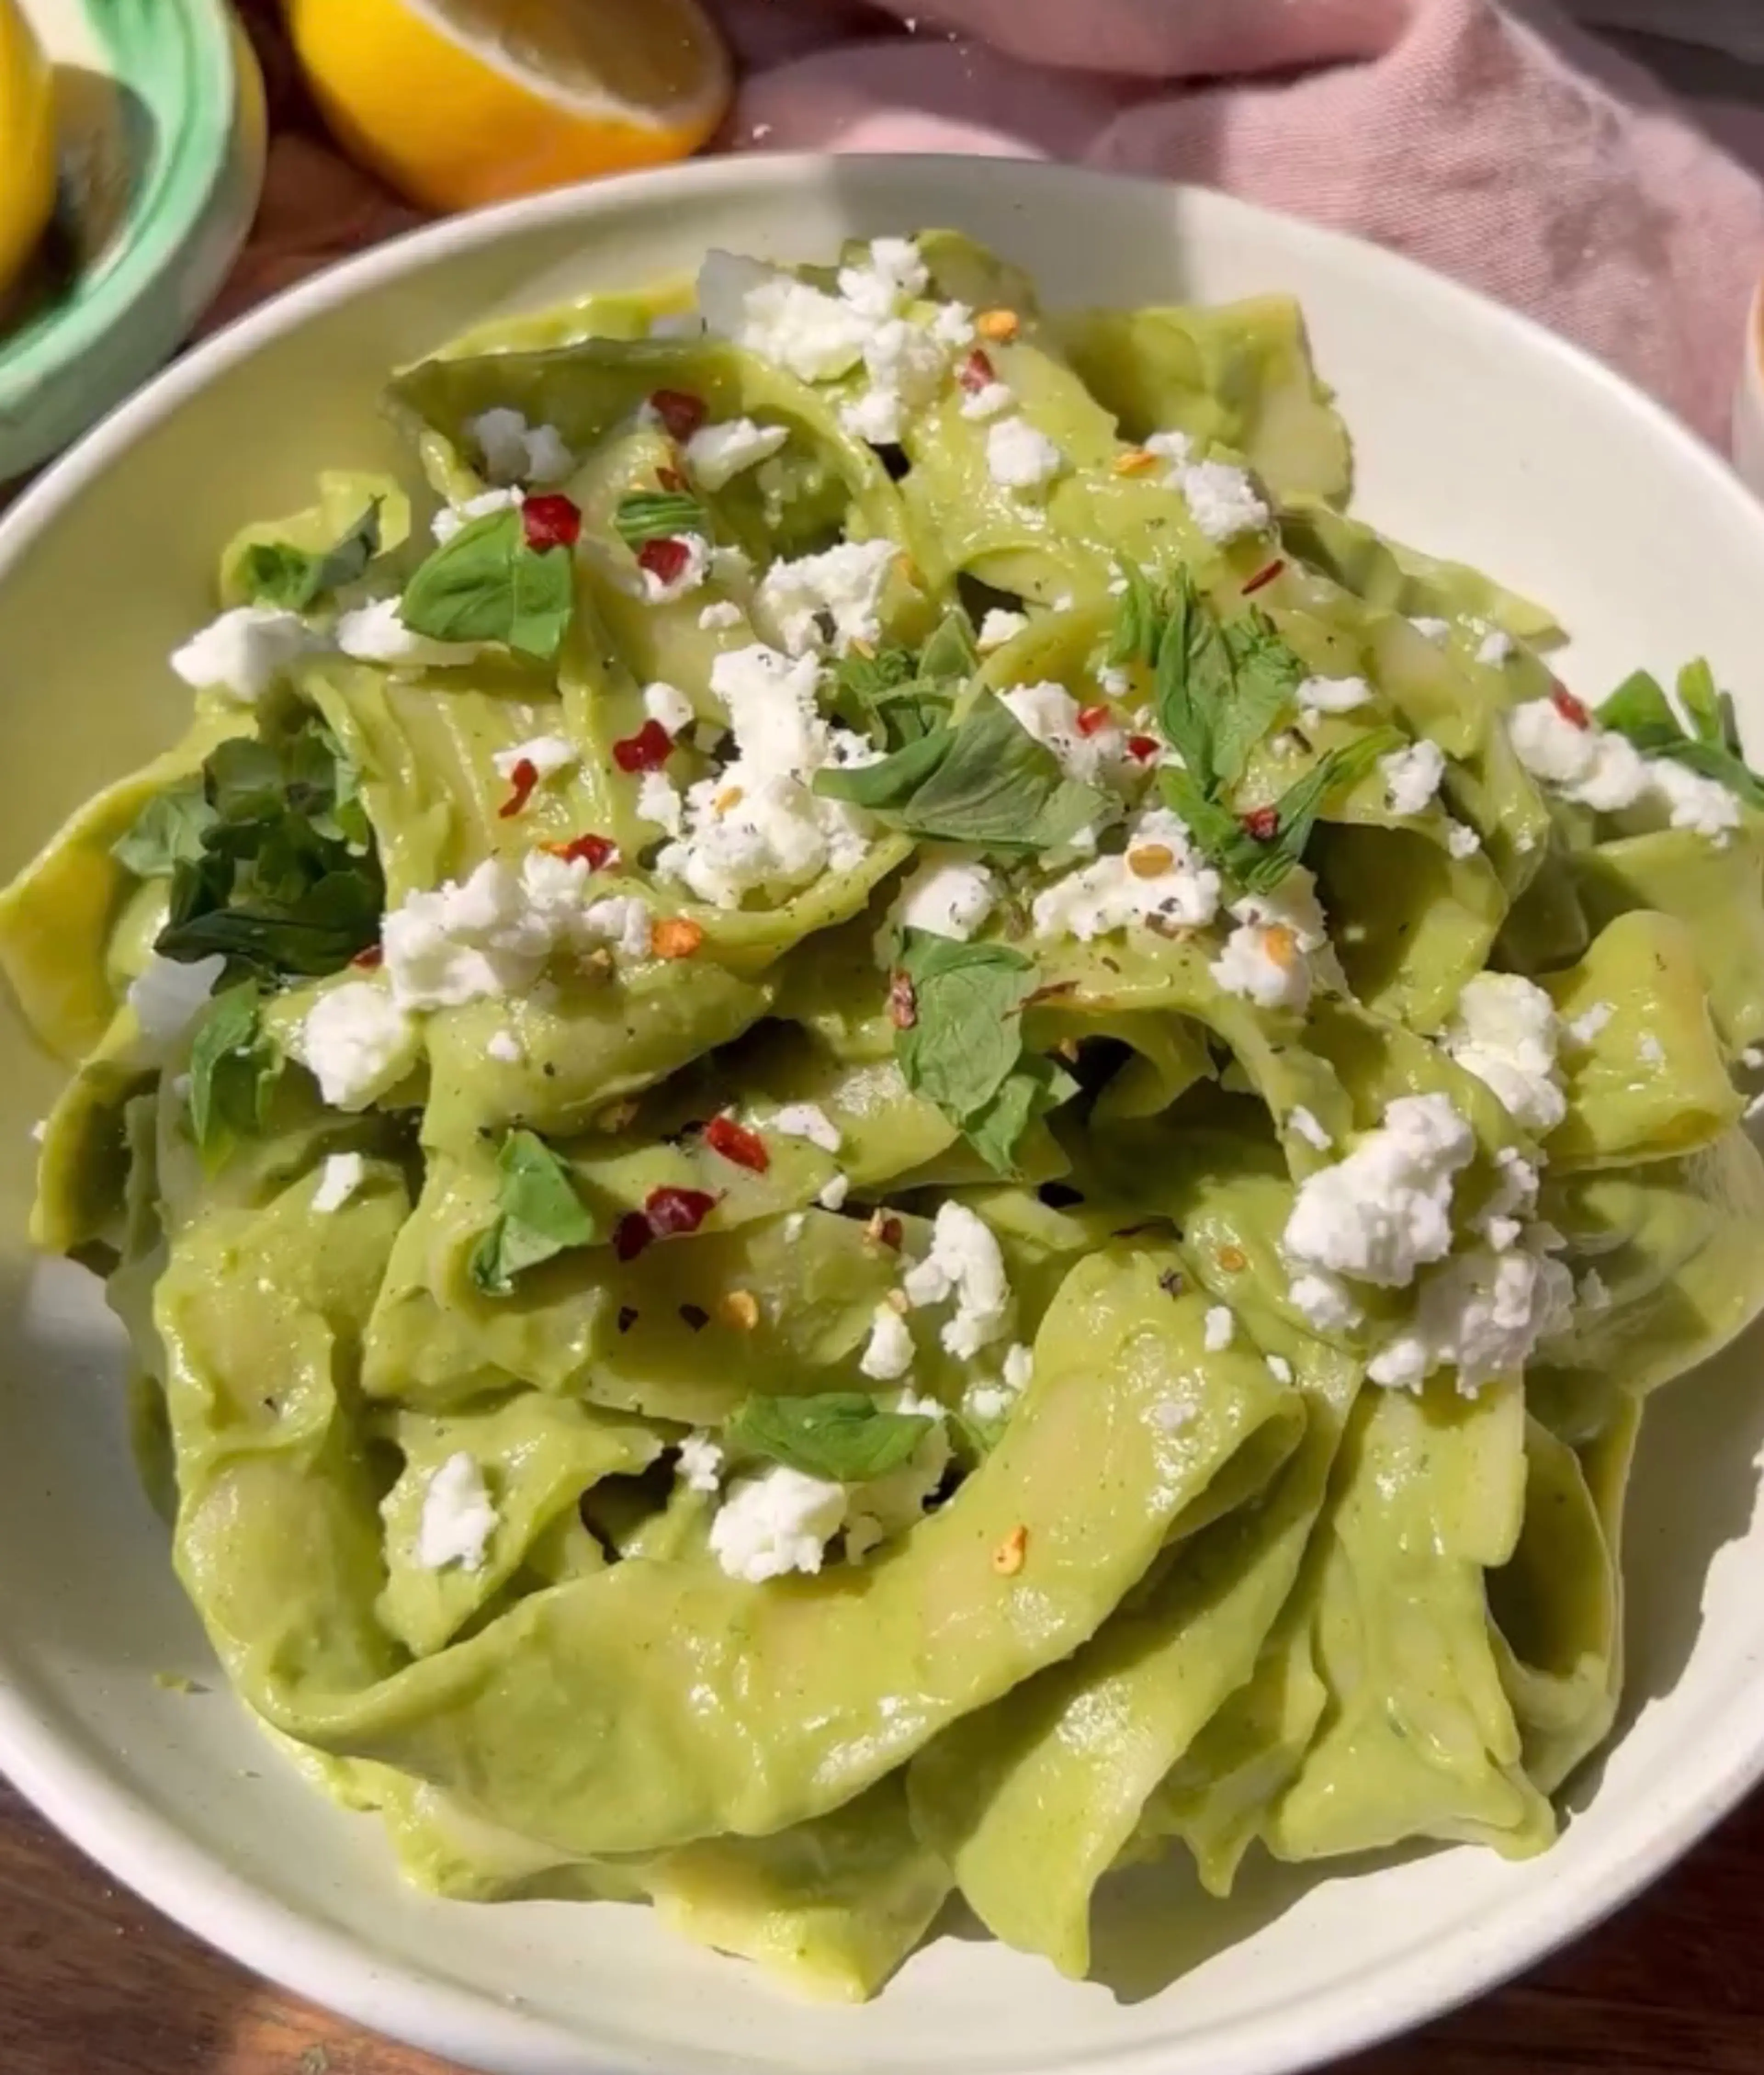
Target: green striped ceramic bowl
{"points": [[161, 134]]}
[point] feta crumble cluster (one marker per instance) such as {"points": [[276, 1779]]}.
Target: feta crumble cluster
{"points": [[1599, 769], [1222, 498]]}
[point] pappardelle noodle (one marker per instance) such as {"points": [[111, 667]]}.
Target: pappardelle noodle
{"points": [[871, 1124]]}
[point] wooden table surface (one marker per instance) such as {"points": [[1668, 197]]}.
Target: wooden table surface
{"points": [[93, 1982]]}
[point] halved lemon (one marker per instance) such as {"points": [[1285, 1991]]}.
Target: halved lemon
{"points": [[460, 102], [27, 144]]}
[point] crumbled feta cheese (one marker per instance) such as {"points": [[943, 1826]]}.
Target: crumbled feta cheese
{"points": [[1432, 630], [1218, 1331], [245, 651], [1385, 1209], [1019, 1366], [458, 1518], [515, 452], [1752, 1056], [716, 454], [1114, 683], [1309, 1129], [1591, 1292], [701, 1464], [845, 584], [777, 1521], [1323, 1302], [757, 824], [1505, 1032], [450, 518], [721, 613], [987, 401], [1265, 965], [664, 591], [1462, 841], [1020, 457], [1495, 647], [815, 336], [1050, 713], [677, 324], [1412, 776], [1171, 884], [998, 627], [1651, 1050], [168, 995], [341, 1175], [1331, 695], [547, 754], [505, 1048], [355, 1041], [1223, 501], [964, 1265], [890, 272], [1279, 1368], [669, 705], [986, 1401], [906, 364], [659, 801], [952, 324], [1481, 1313], [808, 1121], [376, 633], [1704, 805], [1583, 1030], [943, 895], [795, 1225], [492, 933], [1593, 765], [833, 1195], [888, 1354]]}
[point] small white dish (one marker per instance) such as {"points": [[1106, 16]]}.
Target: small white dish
{"points": [[1478, 435]]}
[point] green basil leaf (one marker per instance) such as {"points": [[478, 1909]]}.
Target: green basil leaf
{"points": [[967, 1034], [951, 653], [990, 783], [887, 787], [234, 1069], [319, 932], [1702, 702], [659, 514], [275, 574], [1194, 682], [1030, 1091], [1265, 675], [1640, 710], [168, 832], [485, 584], [538, 1214], [839, 1434]]}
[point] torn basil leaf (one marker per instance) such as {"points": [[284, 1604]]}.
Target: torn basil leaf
{"points": [[538, 1214], [840, 1435], [485, 584], [275, 574]]}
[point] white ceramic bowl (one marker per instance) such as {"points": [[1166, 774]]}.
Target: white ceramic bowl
{"points": [[1478, 436], [1748, 401]]}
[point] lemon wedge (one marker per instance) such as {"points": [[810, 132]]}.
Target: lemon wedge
{"points": [[27, 144], [460, 102]]}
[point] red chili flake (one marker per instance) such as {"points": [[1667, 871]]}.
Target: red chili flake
{"points": [[1263, 577], [551, 521], [369, 956], [665, 559], [680, 411], [734, 1142], [631, 1234], [1143, 748], [670, 479], [669, 1212], [597, 851], [975, 372], [1262, 823], [903, 1006], [648, 750], [521, 782], [1565, 704], [1090, 718]]}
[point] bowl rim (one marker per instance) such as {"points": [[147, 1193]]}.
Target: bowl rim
{"points": [[66, 1780]]}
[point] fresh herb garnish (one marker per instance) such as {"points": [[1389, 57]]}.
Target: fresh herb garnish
{"points": [[659, 514], [168, 832], [276, 573], [1258, 863], [839, 1434], [985, 780], [538, 1214], [900, 697], [485, 584], [1640, 710], [234, 1069], [284, 878]]}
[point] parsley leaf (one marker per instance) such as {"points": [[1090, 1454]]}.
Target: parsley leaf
{"points": [[903, 698], [1259, 866], [234, 1069], [1640, 710], [986, 781], [839, 1434], [168, 831], [284, 878], [659, 514], [1139, 619], [1220, 687], [276, 573], [538, 1214], [485, 584]]}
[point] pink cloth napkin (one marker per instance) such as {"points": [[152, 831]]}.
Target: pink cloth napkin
{"points": [[1520, 155]]}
